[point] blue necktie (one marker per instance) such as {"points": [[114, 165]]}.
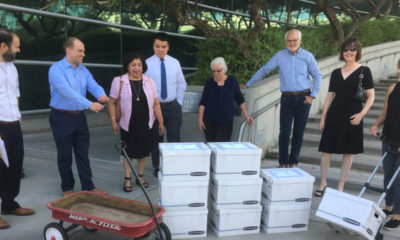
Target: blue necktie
{"points": [[164, 93]]}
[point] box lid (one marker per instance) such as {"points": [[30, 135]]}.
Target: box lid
{"points": [[286, 175], [224, 209], [194, 183], [188, 148], [237, 148], [239, 182]]}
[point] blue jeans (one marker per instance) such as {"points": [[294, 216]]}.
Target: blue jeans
{"points": [[390, 165], [293, 111], [71, 132]]}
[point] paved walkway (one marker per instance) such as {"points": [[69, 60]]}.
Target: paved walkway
{"points": [[42, 184]]}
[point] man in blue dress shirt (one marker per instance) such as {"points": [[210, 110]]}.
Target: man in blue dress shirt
{"points": [[69, 81], [295, 65], [167, 74]]}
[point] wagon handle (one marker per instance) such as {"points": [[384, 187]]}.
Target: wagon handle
{"points": [[121, 147]]}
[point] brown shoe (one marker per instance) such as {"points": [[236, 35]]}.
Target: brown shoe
{"points": [[282, 165], [19, 211], [67, 193], [3, 224], [292, 165], [95, 190]]}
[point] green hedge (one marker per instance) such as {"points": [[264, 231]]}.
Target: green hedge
{"points": [[320, 41]]}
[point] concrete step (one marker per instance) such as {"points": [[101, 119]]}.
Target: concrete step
{"points": [[372, 147], [310, 155], [313, 127], [391, 80], [355, 179], [367, 121]]}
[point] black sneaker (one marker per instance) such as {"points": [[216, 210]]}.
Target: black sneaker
{"points": [[387, 212], [392, 224]]}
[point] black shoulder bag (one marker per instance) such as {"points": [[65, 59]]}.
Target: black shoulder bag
{"points": [[361, 93]]}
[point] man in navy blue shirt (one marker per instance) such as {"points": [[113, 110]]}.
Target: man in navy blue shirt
{"points": [[295, 65], [69, 81]]}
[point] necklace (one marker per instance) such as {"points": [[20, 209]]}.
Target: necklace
{"points": [[137, 93]]}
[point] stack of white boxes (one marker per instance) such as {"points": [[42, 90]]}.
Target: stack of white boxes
{"points": [[184, 176], [287, 194], [235, 190]]}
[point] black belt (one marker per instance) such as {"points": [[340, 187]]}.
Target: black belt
{"points": [[297, 93], [167, 103], [68, 111], [9, 123]]}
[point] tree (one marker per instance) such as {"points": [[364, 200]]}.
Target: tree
{"points": [[348, 7], [215, 24]]}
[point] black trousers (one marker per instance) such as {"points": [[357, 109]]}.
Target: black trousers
{"points": [[71, 132], [218, 132], [172, 114], [10, 178]]}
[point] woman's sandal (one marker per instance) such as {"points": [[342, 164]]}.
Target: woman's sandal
{"points": [[320, 193], [144, 183], [125, 187]]}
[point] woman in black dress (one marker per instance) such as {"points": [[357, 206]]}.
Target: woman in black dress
{"points": [[341, 120], [139, 108]]}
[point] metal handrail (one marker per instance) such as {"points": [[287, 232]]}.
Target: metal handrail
{"points": [[261, 111], [87, 20], [99, 65]]}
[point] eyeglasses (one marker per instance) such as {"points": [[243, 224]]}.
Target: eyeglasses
{"points": [[353, 49], [218, 71], [292, 40]]}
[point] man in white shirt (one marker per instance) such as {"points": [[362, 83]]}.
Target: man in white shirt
{"points": [[10, 128], [167, 74]]}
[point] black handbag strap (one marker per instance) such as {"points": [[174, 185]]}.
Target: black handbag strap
{"points": [[361, 76]]}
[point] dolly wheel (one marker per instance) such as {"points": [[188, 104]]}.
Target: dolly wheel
{"points": [[379, 236], [54, 231]]}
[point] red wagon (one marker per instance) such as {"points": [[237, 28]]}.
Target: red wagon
{"points": [[95, 211]]}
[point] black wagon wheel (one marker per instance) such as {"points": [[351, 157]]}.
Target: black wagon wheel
{"points": [[54, 231], [154, 235], [92, 230], [166, 233]]}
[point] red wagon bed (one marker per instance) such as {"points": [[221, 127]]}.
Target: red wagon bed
{"points": [[107, 213]]}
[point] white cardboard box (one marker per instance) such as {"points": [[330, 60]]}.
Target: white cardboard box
{"points": [[285, 216], [186, 224], [230, 221], [347, 213], [235, 160], [183, 194], [243, 191], [184, 161], [287, 184]]}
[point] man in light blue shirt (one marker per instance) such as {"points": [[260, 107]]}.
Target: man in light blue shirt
{"points": [[295, 65], [69, 82], [167, 74]]}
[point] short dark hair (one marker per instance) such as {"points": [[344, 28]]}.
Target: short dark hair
{"points": [[162, 37], [6, 37], [69, 43], [348, 43], [129, 57]]}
